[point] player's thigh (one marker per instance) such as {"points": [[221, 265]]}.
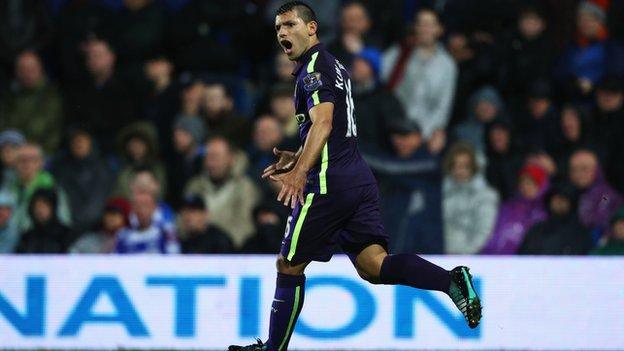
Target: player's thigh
{"points": [[312, 229]]}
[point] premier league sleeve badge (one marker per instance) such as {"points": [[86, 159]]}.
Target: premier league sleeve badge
{"points": [[312, 81]]}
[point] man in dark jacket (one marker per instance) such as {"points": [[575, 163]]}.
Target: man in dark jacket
{"points": [[200, 237], [48, 234], [562, 233], [269, 230], [86, 178]]}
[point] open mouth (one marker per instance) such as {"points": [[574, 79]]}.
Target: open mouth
{"points": [[287, 46]]}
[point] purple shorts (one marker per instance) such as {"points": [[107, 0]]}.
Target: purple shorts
{"points": [[349, 218]]}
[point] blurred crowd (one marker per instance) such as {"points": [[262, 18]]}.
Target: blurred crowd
{"points": [[143, 126]]}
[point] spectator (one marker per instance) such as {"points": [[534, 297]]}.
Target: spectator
{"points": [[220, 117], [33, 105], [423, 76], [199, 235], [139, 147], [411, 200], [102, 103], [527, 56], [484, 107], [191, 99], [10, 141], [230, 197], [504, 159], [48, 234], [469, 204], [562, 233], [102, 241], [283, 68], [30, 177], [598, 200], [9, 235], [576, 132], [161, 102], [145, 234], [538, 126], [85, 176], [283, 109], [269, 230], [267, 135], [355, 34], [145, 181], [615, 240], [375, 105], [188, 136], [609, 119], [592, 55], [517, 215]]}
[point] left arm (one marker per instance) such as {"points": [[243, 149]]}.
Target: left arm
{"points": [[294, 181]]}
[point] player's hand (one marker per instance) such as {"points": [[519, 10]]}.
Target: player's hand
{"points": [[293, 183], [286, 161]]}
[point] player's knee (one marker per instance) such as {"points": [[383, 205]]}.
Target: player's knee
{"points": [[369, 276], [285, 267]]}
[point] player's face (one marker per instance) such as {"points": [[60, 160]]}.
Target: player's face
{"points": [[293, 34]]}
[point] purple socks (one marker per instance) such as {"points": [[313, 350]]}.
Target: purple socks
{"points": [[287, 305], [414, 271]]}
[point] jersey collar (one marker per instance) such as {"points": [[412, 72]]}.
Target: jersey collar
{"points": [[305, 58]]}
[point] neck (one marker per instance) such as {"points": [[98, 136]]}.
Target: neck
{"points": [[313, 41], [102, 77]]}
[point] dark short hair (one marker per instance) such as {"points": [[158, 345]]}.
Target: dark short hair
{"points": [[304, 10]]}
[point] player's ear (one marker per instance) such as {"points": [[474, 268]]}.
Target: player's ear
{"points": [[312, 28]]}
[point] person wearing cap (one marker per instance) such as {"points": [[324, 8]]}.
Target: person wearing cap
{"points": [[10, 141], [187, 137], [33, 104], [102, 241], [375, 105], [198, 235], [592, 56], [85, 176], [518, 214], [9, 235], [410, 181], [609, 118], [562, 233], [614, 244]]}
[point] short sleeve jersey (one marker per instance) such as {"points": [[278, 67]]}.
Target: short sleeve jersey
{"points": [[322, 78]]}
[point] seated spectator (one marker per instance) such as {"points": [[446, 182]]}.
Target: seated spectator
{"points": [[48, 234], [188, 136], [528, 55], [615, 240], [30, 177], [9, 235], [375, 105], [191, 98], [504, 159], [469, 204], [410, 185], [229, 196], [355, 33], [145, 182], [520, 213], [220, 116], [598, 200], [283, 109], [283, 68], [144, 234], [10, 141], [538, 124], [591, 56], [33, 104], [484, 107], [102, 103], [576, 132], [562, 233], [103, 240], [199, 236], [161, 102], [269, 230], [267, 135], [139, 147], [609, 119], [85, 177], [423, 76]]}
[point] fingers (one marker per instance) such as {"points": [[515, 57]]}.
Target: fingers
{"points": [[277, 151], [301, 197], [269, 171]]}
